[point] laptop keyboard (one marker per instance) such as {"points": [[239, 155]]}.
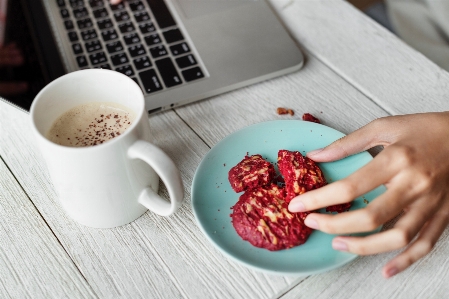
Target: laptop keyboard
{"points": [[139, 38]]}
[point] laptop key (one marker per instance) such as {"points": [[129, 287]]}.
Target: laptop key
{"points": [[96, 3], [105, 24], [120, 58], [141, 17], [98, 58], [105, 66], [61, 3], [161, 13], [142, 62], [150, 81], [77, 48], [153, 39], [76, 3], [89, 34], [131, 38], [136, 50], [114, 47], [126, 27], [125, 70], [147, 28], [65, 13], [73, 36], [68, 24], [192, 74], [121, 16], [158, 51], [119, 6], [173, 35], [93, 46], [83, 24], [82, 61], [109, 35], [168, 72], [179, 49], [101, 13], [80, 13], [186, 61], [137, 6]]}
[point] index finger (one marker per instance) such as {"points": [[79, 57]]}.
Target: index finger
{"points": [[366, 137], [377, 172]]}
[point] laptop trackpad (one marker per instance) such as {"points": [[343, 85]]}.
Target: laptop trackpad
{"points": [[197, 8]]}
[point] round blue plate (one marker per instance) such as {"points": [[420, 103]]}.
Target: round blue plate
{"points": [[213, 197]]}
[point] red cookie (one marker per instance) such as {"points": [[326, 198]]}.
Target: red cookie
{"points": [[311, 118], [261, 217], [251, 172], [344, 207], [300, 173]]}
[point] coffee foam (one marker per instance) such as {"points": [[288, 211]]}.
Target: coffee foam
{"points": [[90, 124]]}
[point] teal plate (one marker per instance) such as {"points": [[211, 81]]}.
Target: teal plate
{"points": [[213, 197]]}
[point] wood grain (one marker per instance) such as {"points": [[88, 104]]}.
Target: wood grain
{"points": [[32, 262], [314, 89], [395, 76], [355, 72]]}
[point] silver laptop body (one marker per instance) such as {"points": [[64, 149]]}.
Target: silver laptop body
{"points": [[224, 45]]}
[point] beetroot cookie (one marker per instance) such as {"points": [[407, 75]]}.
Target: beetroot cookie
{"points": [[253, 171], [340, 208], [300, 173], [261, 217], [311, 118]]}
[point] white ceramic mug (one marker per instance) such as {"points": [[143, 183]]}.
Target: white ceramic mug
{"points": [[113, 183]]}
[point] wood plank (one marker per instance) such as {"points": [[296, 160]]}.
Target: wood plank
{"points": [[395, 76], [33, 264], [362, 279], [314, 89]]}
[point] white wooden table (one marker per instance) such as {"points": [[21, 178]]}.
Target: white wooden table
{"points": [[355, 71]]}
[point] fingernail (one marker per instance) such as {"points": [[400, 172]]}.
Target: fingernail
{"points": [[314, 152], [311, 223], [339, 245], [296, 206], [392, 272]]}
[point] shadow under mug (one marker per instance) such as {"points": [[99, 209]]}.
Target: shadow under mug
{"points": [[113, 183]]}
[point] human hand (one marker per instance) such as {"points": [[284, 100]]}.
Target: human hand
{"points": [[414, 167], [11, 56]]}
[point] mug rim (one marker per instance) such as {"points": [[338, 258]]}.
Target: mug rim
{"points": [[139, 114]]}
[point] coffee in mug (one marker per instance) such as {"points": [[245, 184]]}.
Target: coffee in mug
{"points": [[91, 124]]}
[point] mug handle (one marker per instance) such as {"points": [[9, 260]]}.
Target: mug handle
{"points": [[166, 170]]}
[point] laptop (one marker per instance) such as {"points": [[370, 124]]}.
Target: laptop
{"points": [[178, 51]]}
